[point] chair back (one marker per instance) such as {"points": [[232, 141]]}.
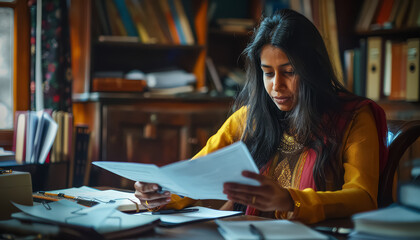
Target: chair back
{"points": [[401, 135]]}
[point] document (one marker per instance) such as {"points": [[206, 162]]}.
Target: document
{"points": [[103, 218], [201, 178], [126, 201], [269, 229], [202, 214]]}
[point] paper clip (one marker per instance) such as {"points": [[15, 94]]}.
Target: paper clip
{"points": [[46, 205]]}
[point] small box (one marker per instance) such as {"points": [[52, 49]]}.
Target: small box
{"points": [[16, 187]]}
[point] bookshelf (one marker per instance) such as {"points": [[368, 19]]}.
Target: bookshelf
{"points": [[136, 126], [95, 50]]}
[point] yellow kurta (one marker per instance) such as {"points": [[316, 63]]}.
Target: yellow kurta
{"points": [[360, 157]]}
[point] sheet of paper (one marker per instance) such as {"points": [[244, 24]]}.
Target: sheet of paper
{"points": [[201, 178], [271, 229], [66, 211], [140, 172], [201, 214], [103, 218]]}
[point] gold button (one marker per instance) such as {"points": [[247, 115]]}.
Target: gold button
{"points": [[297, 204]]}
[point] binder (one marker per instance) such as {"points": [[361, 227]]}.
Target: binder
{"points": [[374, 68], [413, 76], [398, 75]]}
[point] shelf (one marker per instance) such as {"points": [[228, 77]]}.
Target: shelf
{"points": [[403, 33], [149, 46]]}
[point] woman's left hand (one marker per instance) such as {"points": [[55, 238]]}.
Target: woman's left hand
{"points": [[269, 196]]}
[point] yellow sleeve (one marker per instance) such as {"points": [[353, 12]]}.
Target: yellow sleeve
{"points": [[361, 176], [229, 133]]}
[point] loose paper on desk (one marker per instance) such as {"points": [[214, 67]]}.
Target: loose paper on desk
{"points": [[201, 178], [126, 201], [203, 213], [103, 218], [271, 229]]}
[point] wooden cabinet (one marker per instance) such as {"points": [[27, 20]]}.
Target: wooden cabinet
{"points": [[157, 131]]}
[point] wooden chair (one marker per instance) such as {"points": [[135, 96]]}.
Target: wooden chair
{"points": [[403, 134]]}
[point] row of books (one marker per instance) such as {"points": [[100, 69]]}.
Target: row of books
{"points": [[38, 132], [388, 14], [146, 21], [384, 69]]}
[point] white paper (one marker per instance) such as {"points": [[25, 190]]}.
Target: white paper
{"points": [[201, 178], [271, 229], [126, 201], [103, 218], [201, 214]]}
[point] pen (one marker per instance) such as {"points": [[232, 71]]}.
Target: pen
{"points": [[173, 211], [254, 230], [57, 195], [334, 230], [85, 202]]}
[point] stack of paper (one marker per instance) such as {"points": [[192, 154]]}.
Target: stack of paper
{"points": [[203, 214], [270, 229], [104, 219]]}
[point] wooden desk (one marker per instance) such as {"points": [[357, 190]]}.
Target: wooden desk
{"points": [[208, 229]]}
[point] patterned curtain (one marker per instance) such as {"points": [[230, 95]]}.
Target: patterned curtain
{"points": [[55, 55]]}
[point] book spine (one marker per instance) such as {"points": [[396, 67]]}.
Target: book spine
{"points": [[126, 18]]}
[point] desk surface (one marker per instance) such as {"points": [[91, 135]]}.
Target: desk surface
{"points": [[208, 229]]}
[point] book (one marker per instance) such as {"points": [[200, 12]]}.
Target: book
{"points": [[102, 15], [19, 143], [111, 84], [269, 229], [126, 18], [388, 69], [398, 72], [36, 132], [409, 194], [412, 70], [81, 166], [185, 24], [138, 22], [367, 14], [185, 178], [390, 23], [177, 20], [374, 68], [152, 20], [393, 222], [164, 5], [402, 14], [383, 14], [161, 20], [349, 68], [117, 27]]}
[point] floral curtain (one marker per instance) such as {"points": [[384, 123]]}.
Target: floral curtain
{"points": [[55, 55]]}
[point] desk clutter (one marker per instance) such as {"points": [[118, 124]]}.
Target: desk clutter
{"points": [[400, 220]]}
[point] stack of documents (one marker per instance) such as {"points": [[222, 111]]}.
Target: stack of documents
{"points": [[201, 178], [101, 220], [267, 229], [200, 214]]}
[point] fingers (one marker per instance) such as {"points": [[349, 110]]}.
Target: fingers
{"points": [[145, 187], [149, 196]]}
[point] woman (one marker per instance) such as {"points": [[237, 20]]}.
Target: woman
{"points": [[319, 148]]}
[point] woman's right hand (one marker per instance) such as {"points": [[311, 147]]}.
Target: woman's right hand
{"points": [[149, 196]]}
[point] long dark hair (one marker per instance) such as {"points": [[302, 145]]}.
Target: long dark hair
{"points": [[318, 97]]}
